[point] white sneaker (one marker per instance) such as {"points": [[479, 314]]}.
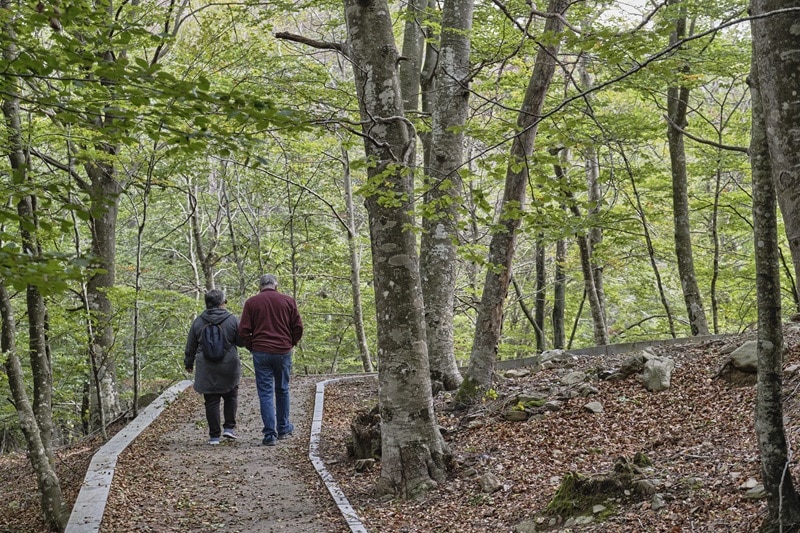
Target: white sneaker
{"points": [[230, 434], [213, 441]]}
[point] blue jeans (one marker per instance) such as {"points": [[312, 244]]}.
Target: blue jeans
{"points": [[272, 381]]}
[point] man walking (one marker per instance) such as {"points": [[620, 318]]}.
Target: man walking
{"points": [[270, 328]]}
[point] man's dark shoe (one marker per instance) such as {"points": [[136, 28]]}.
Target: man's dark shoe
{"points": [[269, 441], [285, 436]]}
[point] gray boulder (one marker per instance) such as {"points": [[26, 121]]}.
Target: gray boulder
{"points": [[657, 373], [745, 357]]}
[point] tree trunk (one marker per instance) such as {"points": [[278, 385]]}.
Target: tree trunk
{"points": [[587, 267], [355, 266], [37, 341], [36, 421], [413, 48], [774, 160], [28, 226], [51, 497], [714, 230], [141, 221], [541, 301], [559, 295], [651, 252], [489, 322], [206, 255], [445, 190], [105, 191], [677, 103], [595, 196], [235, 246], [590, 289], [776, 49], [413, 451]]}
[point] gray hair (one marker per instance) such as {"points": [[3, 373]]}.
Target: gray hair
{"points": [[268, 280]]}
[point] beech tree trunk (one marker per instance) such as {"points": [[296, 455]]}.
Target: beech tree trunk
{"points": [[205, 239], [104, 194], [104, 189], [412, 55], [595, 195], [677, 103], [413, 452], [36, 421], [28, 226], [355, 266], [40, 455], [775, 163], [776, 49], [587, 268], [489, 323], [445, 190]]}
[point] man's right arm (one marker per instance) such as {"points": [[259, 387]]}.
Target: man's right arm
{"points": [[245, 336], [297, 326]]}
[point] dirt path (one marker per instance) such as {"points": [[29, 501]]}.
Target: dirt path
{"points": [[170, 479]]}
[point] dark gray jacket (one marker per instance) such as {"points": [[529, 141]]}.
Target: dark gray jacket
{"points": [[220, 377]]}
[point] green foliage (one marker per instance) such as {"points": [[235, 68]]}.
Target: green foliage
{"points": [[221, 125]]}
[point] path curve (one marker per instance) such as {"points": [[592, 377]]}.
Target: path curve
{"points": [[170, 479]]}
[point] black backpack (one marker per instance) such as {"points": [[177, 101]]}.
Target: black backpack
{"points": [[212, 340]]}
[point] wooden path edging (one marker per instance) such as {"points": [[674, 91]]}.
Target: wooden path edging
{"points": [[87, 514], [349, 514]]}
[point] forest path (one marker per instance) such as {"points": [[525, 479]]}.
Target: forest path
{"points": [[170, 479]]}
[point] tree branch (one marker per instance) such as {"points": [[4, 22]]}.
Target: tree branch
{"points": [[709, 143], [322, 45], [61, 166]]}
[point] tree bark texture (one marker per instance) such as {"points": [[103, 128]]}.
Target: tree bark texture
{"points": [[445, 190], [50, 495], [776, 47], [489, 323], [413, 451], [677, 103], [104, 194], [413, 51], [774, 162], [428, 87]]}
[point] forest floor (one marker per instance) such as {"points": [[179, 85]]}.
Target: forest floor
{"points": [[698, 434]]}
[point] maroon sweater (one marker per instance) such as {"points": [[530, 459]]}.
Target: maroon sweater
{"points": [[270, 323]]}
